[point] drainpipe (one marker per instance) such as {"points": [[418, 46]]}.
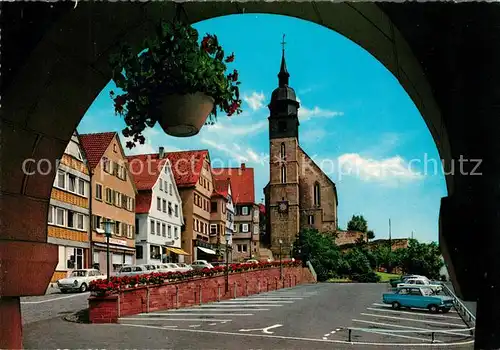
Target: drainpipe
{"points": [[91, 246]]}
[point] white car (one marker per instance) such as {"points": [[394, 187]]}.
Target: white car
{"points": [[79, 280], [421, 281], [201, 264], [184, 267], [170, 267]]}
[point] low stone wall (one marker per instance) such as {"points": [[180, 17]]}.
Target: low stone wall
{"points": [[132, 301]]}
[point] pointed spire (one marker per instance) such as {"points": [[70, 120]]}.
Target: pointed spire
{"points": [[283, 74]]}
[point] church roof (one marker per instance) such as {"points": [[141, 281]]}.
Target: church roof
{"points": [[284, 92]]}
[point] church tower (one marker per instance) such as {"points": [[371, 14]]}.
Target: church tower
{"points": [[283, 190]]}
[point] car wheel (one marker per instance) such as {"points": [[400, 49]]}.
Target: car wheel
{"points": [[83, 287], [396, 305], [433, 308]]}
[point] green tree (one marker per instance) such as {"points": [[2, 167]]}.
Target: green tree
{"points": [[357, 223], [370, 234], [385, 257], [421, 259]]}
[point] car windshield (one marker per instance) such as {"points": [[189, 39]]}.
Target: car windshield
{"points": [[79, 273]]}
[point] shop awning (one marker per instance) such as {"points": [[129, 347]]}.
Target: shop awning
{"points": [[177, 251], [206, 250]]}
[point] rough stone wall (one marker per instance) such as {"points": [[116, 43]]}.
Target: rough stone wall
{"points": [[196, 291], [348, 237]]}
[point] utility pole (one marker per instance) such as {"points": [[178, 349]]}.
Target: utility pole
{"points": [[390, 235], [411, 234]]}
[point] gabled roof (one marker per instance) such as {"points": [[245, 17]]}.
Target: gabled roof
{"points": [[222, 186], [186, 166], [94, 146], [242, 183], [146, 168], [143, 202]]}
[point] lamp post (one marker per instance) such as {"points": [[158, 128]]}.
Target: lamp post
{"points": [[107, 231], [291, 251], [281, 263], [228, 236]]}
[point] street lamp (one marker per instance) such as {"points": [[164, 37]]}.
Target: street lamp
{"points": [[281, 264], [228, 236], [107, 231]]}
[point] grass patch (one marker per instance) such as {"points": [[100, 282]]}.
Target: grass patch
{"points": [[339, 280], [386, 277]]}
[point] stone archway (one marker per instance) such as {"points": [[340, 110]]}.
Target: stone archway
{"points": [[44, 100]]}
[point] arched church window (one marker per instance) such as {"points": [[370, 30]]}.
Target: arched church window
{"points": [[283, 151], [283, 174], [317, 194]]}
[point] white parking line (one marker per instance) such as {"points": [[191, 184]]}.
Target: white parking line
{"points": [[54, 299], [238, 305], [217, 309], [404, 336], [408, 327], [389, 306], [414, 320], [185, 314], [174, 319], [413, 313], [235, 301]]}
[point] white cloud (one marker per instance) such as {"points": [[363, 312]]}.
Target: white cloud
{"points": [[306, 113], [255, 100], [383, 170], [313, 135], [222, 147]]}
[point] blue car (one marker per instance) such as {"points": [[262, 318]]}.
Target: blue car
{"points": [[419, 298]]}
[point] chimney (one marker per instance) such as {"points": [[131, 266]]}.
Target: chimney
{"points": [[243, 166], [161, 153]]}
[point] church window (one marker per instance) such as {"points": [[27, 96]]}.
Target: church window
{"points": [[310, 219], [283, 153], [317, 194], [283, 174]]}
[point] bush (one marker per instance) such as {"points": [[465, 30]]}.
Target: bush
{"points": [[369, 277]]}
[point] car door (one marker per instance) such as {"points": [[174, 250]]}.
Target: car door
{"points": [[416, 298], [402, 296]]}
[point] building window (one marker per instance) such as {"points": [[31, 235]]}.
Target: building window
{"points": [[61, 179], [170, 189], [213, 208], [109, 195], [60, 216], [118, 199], [74, 258], [310, 219], [118, 228], [138, 252], [317, 194], [51, 211], [242, 248], [152, 227], [98, 192], [161, 185], [164, 205], [176, 233], [244, 210], [164, 230], [169, 231], [136, 226], [158, 232], [213, 229], [158, 203], [154, 252], [115, 148], [71, 182], [283, 153], [283, 174], [176, 210], [170, 210], [244, 227]]}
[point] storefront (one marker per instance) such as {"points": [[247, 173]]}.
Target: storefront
{"points": [[119, 255], [173, 254], [205, 251]]}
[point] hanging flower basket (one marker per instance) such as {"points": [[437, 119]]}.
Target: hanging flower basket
{"points": [[176, 81]]}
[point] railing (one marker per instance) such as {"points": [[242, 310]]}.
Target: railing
{"points": [[467, 316], [311, 268], [420, 331]]}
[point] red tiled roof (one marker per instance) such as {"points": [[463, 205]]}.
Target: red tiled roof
{"points": [[95, 145], [143, 202], [145, 169], [222, 186], [242, 183], [187, 166]]}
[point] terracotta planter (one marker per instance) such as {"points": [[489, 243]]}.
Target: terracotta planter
{"points": [[185, 115]]}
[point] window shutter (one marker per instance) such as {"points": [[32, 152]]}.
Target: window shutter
{"points": [[133, 204], [93, 222], [115, 168]]}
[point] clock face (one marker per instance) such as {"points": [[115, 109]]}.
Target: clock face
{"points": [[283, 206]]}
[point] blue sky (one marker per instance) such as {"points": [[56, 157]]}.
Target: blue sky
{"points": [[354, 115]]}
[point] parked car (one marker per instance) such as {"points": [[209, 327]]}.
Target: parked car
{"points": [[422, 281], [252, 261], [132, 270], [395, 281], [184, 267], [79, 280], [201, 264], [418, 297], [171, 267]]}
